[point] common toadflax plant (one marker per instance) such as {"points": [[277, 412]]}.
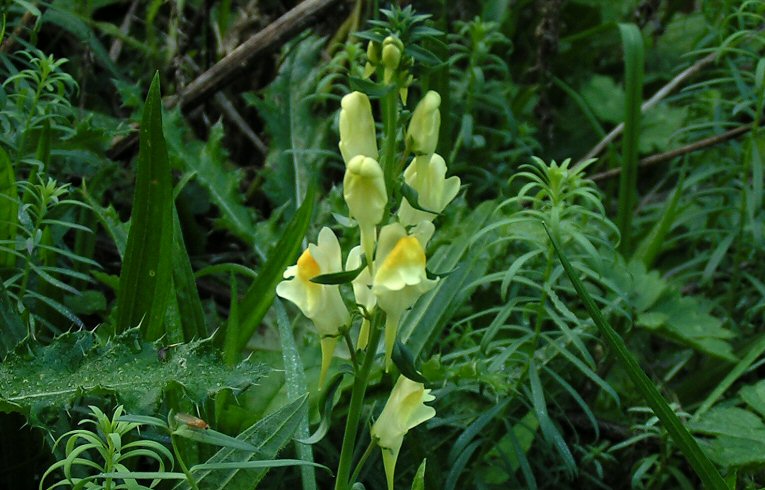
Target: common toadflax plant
{"points": [[394, 208]]}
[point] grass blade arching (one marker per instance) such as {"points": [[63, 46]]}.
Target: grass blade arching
{"points": [[703, 467]]}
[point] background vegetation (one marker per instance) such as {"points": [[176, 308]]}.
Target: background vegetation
{"points": [[147, 282]]}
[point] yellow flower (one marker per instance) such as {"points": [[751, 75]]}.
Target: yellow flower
{"points": [[422, 135], [365, 194], [357, 127], [322, 304], [427, 175], [404, 410], [400, 277], [362, 290]]}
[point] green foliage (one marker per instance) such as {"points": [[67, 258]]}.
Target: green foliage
{"points": [[107, 441], [145, 279], [529, 393], [297, 134], [39, 379], [267, 436]]}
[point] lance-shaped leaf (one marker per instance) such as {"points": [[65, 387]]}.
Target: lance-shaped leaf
{"points": [[9, 211], [703, 467], [145, 280], [268, 436]]}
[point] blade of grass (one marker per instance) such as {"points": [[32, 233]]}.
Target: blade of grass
{"points": [[9, 208], [260, 295], [704, 468], [145, 279], [632, 41], [757, 349], [294, 379], [189, 304]]}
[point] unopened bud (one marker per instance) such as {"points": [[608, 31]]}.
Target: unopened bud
{"points": [[422, 135]]}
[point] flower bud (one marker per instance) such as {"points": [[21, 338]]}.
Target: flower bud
{"points": [[427, 175], [422, 135], [373, 52], [357, 127], [404, 410], [392, 50], [365, 194]]}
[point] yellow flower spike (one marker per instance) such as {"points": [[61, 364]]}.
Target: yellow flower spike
{"points": [[404, 410], [392, 49], [322, 304], [427, 175], [400, 278], [422, 134], [357, 127], [362, 290], [365, 194]]}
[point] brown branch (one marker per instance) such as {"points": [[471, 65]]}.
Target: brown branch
{"points": [[221, 73], [116, 48], [669, 155], [11, 40], [225, 71]]}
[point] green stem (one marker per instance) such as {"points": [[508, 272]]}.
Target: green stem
{"points": [[351, 349], [363, 460], [343, 481], [182, 464], [390, 123]]}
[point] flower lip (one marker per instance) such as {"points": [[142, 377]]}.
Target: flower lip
{"points": [[307, 267]]}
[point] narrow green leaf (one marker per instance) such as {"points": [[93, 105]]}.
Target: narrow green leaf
{"points": [[404, 361], [549, 430], [343, 277], [418, 483], [189, 305], [268, 463], [294, 380], [474, 429], [268, 435], [326, 403], [231, 332], [145, 280], [9, 209], [209, 436], [411, 195], [756, 350], [651, 245], [261, 293], [680, 435], [12, 330], [632, 41]]}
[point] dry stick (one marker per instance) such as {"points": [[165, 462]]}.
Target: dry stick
{"points": [[116, 48], [668, 155], [228, 110], [10, 40], [223, 72], [220, 74], [658, 96]]}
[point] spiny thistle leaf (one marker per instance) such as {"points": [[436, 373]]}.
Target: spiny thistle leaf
{"points": [[34, 377]]}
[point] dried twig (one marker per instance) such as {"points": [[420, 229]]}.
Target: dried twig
{"points": [[116, 48], [221, 73], [224, 72], [668, 155], [655, 99]]}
